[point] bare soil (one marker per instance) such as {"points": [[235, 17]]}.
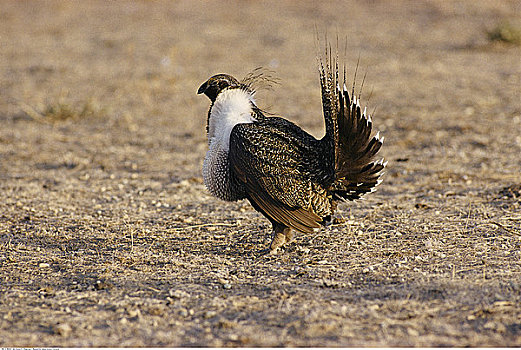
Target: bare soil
{"points": [[109, 238]]}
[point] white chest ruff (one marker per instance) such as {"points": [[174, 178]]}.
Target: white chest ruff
{"points": [[230, 108]]}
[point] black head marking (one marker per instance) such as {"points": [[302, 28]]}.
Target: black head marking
{"points": [[213, 86]]}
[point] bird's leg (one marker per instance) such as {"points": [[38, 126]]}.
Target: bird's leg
{"points": [[281, 235], [288, 232], [278, 241]]}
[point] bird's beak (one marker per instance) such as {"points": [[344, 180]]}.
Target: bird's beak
{"points": [[202, 88]]}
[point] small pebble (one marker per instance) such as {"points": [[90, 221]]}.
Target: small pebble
{"points": [[177, 293], [210, 314], [134, 313], [63, 329], [183, 313]]}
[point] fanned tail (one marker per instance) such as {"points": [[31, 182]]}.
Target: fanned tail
{"points": [[328, 83], [348, 133]]}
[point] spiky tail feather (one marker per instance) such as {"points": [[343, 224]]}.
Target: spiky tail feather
{"points": [[348, 133]]}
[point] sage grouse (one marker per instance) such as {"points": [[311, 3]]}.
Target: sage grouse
{"points": [[293, 179]]}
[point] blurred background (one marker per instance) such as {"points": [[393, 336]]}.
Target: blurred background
{"points": [[132, 67]]}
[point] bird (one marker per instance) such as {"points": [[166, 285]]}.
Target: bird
{"points": [[292, 178]]}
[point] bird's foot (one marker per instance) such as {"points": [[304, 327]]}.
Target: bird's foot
{"points": [[278, 241], [267, 252], [280, 238]]}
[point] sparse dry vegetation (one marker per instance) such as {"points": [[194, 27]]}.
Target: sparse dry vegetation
{"points": [[506, 32], [62, 111], [109, 238]]}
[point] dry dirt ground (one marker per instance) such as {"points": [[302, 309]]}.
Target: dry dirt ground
{"points": [[109, 238]]}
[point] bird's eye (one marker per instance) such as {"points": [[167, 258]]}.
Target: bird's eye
{"points": [[223, 84]]}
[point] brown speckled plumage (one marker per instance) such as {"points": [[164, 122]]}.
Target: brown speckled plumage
{"points": [[289, 176]]}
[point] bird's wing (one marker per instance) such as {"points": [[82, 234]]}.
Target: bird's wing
{"points": [[274, 169]]}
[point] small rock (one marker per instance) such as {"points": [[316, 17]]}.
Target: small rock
{"points": [[134, 313], [99, 285], [210, 314], [413, 332], [178, 294], [183, 312], [490, 325], [46, 291], [328, 283], [498, 327], [156, 311], [63, 329], [226, 324]]}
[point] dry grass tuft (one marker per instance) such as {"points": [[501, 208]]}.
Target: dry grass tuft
{"points": [[61, 111], [506, 32]]}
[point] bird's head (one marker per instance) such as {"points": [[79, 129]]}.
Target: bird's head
{"points": [[213, 86]]}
